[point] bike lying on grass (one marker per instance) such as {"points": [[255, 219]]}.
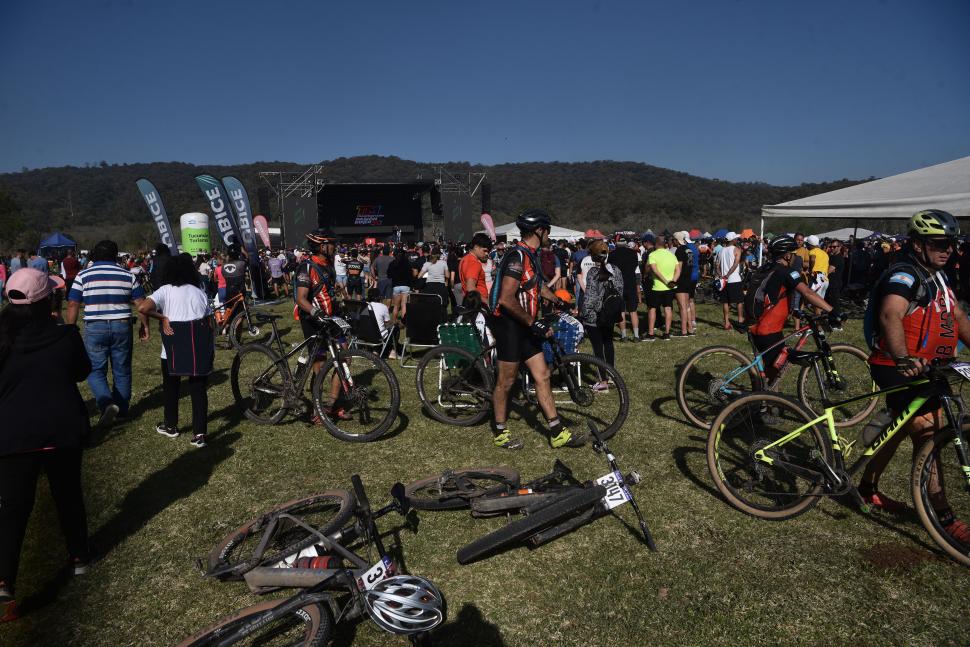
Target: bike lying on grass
{"points": [[455, 381], [552, 505], [356, 395], [771, 457], [714, 376], [304, 544]]}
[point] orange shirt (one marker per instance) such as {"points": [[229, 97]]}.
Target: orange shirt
{"points": [[471, 267]]}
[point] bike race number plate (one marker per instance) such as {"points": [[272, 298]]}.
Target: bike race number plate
{"points": [[963, 368], [616, 494], [340, 321], [379, 571]]}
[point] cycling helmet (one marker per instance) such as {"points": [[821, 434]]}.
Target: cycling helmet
{"points": [[781, 245], [532, 219], [933, 222], [405, 604], [320, 236]]}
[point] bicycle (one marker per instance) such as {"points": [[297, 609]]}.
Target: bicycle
{"points": [[714, 376], [338, 583], [355, 393], [455, 382], [552, 505], [772, 458], [236, 319]]}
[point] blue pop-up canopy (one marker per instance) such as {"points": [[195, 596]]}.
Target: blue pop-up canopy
{"points": [[57, 240]]}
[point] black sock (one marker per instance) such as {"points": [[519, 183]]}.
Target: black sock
{"points": [[554, 425]]}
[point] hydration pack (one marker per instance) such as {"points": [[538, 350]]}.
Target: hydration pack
{"points": [[924, 294]]}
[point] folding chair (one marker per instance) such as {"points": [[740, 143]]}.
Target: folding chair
{"points": [[421, 321], [367, 332]]}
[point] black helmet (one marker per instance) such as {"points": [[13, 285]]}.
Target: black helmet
{"points": [[532, 219], [781, 245], [933, 222]]}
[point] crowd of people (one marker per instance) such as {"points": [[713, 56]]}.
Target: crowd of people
{"points": [[503, 287]]}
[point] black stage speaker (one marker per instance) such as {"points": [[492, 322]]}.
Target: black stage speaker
{"points": [[299, 218], [459, 216], [486, 198], [435, 201]]}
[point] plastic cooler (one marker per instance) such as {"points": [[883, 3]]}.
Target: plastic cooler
{"points": [[569, 332]]}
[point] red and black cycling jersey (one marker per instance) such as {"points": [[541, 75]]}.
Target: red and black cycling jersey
{"points": [[318, 282], [518, 264], [778, 290], [930, 328]]}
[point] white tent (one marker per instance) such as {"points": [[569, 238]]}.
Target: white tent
{"points": [[557, 233], [846, 232]]}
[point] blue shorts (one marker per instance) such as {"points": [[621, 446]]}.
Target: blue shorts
{"points": [[401, 289]]}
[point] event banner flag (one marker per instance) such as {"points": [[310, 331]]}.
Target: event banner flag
{"points": [[262, 228], [154, 201], [239, 201], [218, 199]]}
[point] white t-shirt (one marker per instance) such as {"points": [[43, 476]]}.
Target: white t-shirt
{"points": [[436, 271], [205, 269], [725, 259], [382, 314], [181, 303], [584, 266], [339, 266]]}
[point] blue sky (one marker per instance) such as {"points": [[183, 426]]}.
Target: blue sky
{"points": [[776, 91]]}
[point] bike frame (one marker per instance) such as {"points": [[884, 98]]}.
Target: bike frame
{"points": [[932, 387], [802, 333], [303, 371]]}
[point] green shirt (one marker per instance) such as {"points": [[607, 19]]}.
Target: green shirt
{"points": [[666, 264]]}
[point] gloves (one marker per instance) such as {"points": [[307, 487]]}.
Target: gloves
{"points": [[835, 319], [908, 365], [540, 329]]}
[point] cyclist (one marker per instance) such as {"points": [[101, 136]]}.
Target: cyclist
{"points": [[519, 333], [316, 282], [234, 272], [914, 318], [770, 300]]}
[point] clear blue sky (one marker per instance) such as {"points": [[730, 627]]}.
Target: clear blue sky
{"points": [[777, 91]]}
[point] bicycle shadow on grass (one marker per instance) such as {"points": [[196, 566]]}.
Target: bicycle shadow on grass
{"points": [[899, 524], [681, 455], [657, 407]]}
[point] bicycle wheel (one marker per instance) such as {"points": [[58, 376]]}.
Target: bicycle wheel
{"points": [[852, 379], [308, 626], [460, 487], [937, 466], [362, 404], [701, 387], [454, 386], [240, 334], [259, 384], [578, 402], [569, 505], [749, 424], [327, 511]]}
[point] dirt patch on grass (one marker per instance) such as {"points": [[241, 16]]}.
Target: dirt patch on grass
{"points": [[889, 556]]}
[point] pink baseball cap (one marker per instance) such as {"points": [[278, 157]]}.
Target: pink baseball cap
{"points": [[28, 285]]}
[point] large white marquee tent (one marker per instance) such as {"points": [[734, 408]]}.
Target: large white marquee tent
{"points": [[557, 233]]}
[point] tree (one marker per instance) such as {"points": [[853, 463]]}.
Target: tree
{"points": [[11, 221]]}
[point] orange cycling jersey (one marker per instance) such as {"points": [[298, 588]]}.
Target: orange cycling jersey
{"points": [[518, 264]]}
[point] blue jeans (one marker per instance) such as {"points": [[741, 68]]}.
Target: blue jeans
{"points": [[104, 340]]}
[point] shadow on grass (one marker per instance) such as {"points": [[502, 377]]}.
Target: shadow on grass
{"points": [[469, 627], [681, 455], [657, 407], [900, 524]]}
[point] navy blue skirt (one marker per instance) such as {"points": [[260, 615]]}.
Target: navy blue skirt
{"points": [[191, 350]]}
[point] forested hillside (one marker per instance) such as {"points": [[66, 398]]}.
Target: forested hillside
{"points": [[97, 200]]}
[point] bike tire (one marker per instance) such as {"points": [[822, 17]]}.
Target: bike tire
{"points": [[568, 505], [607, 409], [314, 618], [373, 383], [241, 335], [512, 503], [232, 556], [475, 483], [939, 454], [694, 383], [739, 430], [259, 384], [855, 376], [459, 396]]}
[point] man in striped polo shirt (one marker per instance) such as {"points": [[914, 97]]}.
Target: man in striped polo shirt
{"points": [[107, 290]]}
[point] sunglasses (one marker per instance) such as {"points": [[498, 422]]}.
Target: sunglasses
{"points": [[941, 244]]}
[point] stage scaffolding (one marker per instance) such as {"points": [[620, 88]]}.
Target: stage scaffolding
{"points": [[464, 183], [284, 184]]}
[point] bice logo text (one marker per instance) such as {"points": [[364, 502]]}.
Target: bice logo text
{"points": [[222, 218], [155, 207]]}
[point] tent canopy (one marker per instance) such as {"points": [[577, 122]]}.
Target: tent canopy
{"points": [[558, 233], [845, 233], [57, 240], [943, 186]]}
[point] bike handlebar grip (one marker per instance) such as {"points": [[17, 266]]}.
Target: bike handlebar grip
{"points": [[362, 501]]}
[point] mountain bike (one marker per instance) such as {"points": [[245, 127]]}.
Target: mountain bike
{"points": [[355, 393], [552, 505], [455, 381], [714, 376], [337, 582], [771, 457], [236, 319]]}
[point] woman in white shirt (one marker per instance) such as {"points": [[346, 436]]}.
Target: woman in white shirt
{"points": [[383, 316], [435, 274], [188, 344]]}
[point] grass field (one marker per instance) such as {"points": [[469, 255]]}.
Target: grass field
{"points": [[829, 577]]}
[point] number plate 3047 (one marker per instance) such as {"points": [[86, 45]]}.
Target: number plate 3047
{"points": [[963, 368], [379, 571], [615, 493]]}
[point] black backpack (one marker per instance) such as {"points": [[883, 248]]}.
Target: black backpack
{"points": [[755, 284], [612, 308]]}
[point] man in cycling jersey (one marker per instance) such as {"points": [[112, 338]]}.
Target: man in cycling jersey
{"points": [[775, 294], [519, 332], [914, 319]]}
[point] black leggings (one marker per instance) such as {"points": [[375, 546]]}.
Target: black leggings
{"points": [[200, 400], [601, 337], [18, 484]]}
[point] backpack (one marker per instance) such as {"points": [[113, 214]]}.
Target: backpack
{"points": [[755, 285], [612, 307], [870, 321], [500, 274], [547, 258]]}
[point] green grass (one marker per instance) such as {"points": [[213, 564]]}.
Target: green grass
{"points": [[834, 576]]}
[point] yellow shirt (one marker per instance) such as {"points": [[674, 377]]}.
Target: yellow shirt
{"points": [[821, 260]]}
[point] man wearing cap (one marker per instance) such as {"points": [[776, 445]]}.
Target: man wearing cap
{"points": [[107, 291], [471, 269], [686, 254], [728, 269], [625, 259], [818, 266], [665, 271]]}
